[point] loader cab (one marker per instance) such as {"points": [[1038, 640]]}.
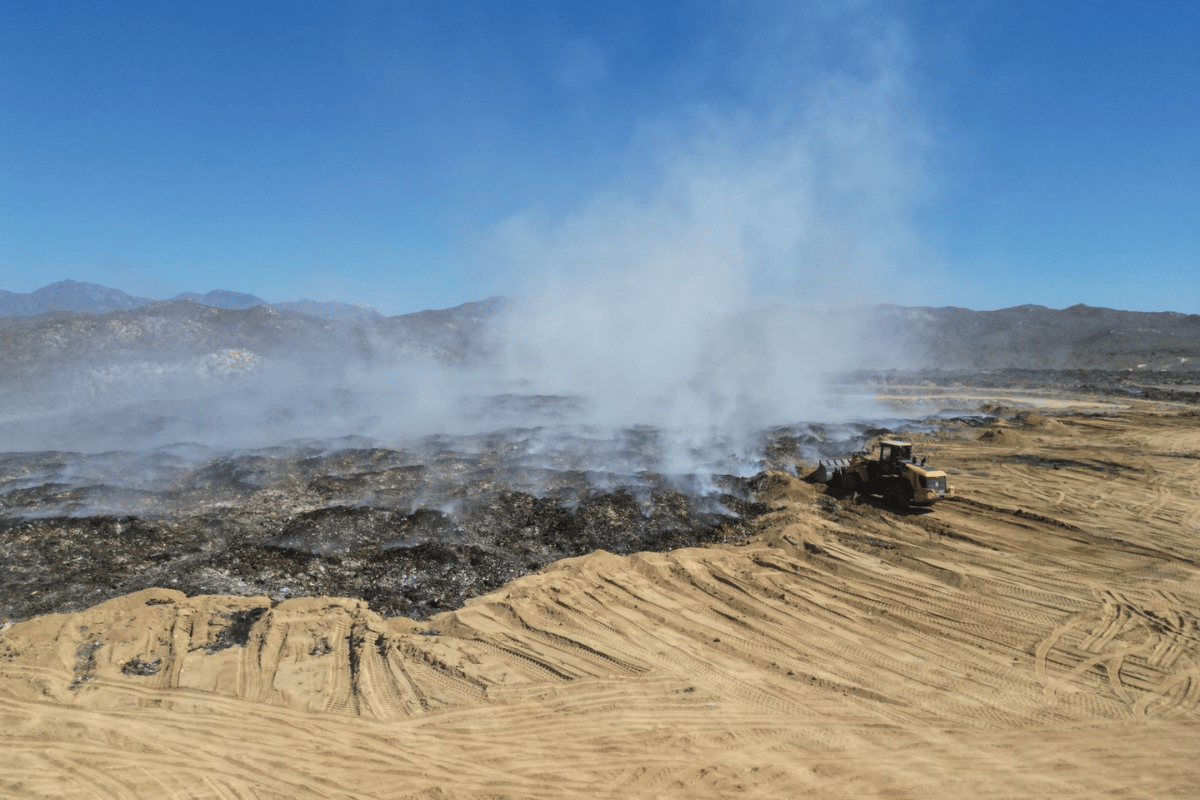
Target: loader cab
{"points": [[895, 452]]}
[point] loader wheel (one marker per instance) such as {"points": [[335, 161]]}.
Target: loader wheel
{"points": [[895, 497]]}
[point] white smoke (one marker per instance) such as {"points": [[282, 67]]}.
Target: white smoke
{"points": [[799, 192], [660, 299]]}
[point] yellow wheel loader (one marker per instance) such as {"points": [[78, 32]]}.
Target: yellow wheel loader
{"points": [[895, 475]]}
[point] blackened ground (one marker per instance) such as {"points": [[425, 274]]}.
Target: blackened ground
{"points": [[413, 531], [413, 564]]}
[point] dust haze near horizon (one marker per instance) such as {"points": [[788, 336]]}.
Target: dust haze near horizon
{"points": [[785, 156], [637, 302]]}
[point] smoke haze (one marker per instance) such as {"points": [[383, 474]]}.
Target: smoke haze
{"points": [[799, 191], [636, 306]]}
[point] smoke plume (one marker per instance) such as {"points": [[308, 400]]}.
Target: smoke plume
{"points": [[657, 299], [668, 298]]}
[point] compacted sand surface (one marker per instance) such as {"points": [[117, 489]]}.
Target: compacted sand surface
{"points": [[1033, 636]]}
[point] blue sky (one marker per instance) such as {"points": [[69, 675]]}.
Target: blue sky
{"points": [[414, 155]]}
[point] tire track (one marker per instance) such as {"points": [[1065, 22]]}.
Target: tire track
{"points": [[1170, 700]]}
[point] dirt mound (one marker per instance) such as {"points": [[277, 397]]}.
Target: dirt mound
{"points": [[1003, 437], [1043, 425], [774, 488], [998, 410]]}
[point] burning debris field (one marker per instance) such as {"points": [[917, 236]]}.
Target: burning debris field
{"points": [[412, 530], [418, 527]]}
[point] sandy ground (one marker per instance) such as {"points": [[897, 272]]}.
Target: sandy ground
{"points": [[1035, 636]]}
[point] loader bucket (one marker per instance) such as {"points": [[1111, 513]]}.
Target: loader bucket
{"points": [[827, 469]]}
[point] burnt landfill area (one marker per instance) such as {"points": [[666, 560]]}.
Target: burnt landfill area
{"points": [[413, 529]]}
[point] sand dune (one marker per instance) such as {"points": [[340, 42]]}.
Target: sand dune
{"points": [[1034, 636]]}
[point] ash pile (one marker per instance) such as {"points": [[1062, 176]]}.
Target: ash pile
{"points": [[413, 530]]}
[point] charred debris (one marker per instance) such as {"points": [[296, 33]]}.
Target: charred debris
{"points": [[413, 531]]}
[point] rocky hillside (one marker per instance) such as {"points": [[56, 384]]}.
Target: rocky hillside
{"points": [[1036, 337], [46, 324], [1024, 337], [171, 330]]}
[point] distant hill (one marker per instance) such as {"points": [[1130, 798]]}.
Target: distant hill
{"points": [[68, 295], [1032, 336], [178, 371], [219, 298], [91, 298], [38, 327], [34, 348], [339, 312]]}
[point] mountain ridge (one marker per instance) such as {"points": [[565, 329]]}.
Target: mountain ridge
{"points": [[55, 322], [92, 298]]}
